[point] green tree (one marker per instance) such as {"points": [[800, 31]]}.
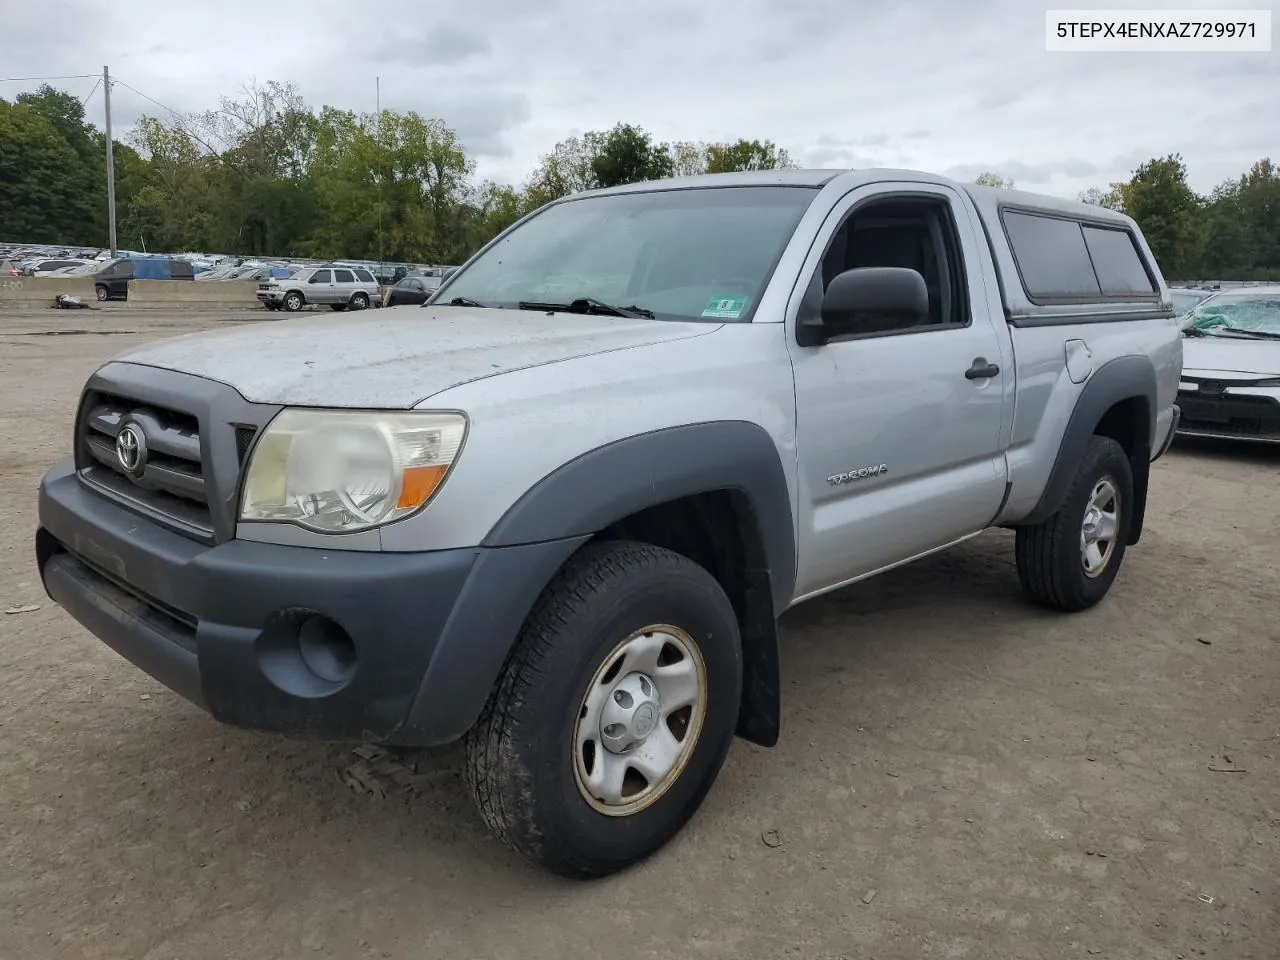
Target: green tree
{"points": [[42, 188], [627, 154], [1167, 209], [990, 179], [567, 169], [84, 211], [1259, 206], [174, 210], [1109, 198], [746, 155]]}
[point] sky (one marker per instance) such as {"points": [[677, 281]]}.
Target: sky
{"points": [[947, 86]]}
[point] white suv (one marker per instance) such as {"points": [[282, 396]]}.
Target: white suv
{"points": [[336, 286]]}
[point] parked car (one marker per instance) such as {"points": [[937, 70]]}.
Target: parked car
{"points": [[1230, 387], [332, 286], [411, 290], [9, 269], [112, 281], [556, 511], [44, 268]]}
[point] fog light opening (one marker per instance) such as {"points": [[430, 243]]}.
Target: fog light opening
{"points": [[305, 654], [326, 649]]}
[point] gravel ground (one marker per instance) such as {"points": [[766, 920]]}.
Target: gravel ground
{"points": [[960, 775]]}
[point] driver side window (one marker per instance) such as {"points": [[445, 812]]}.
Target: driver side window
{"points": [[913, 232]]}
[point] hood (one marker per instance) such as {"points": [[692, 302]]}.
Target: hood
{"points": [[1225, 355], [395, 357]]}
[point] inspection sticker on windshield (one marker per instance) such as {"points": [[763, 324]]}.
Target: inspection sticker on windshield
{"points": [[725, 308]]}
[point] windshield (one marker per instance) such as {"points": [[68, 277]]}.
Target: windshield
{"points": [[1230, 314], [697, 254]]}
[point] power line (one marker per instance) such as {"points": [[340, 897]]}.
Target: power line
{"points": [[121, 83], [85, 100], [178, 116], [76, 76]]}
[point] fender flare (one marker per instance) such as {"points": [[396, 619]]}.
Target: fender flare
{"points": [[598, 488], [601, 487], [1118, 380], [557, 515]]}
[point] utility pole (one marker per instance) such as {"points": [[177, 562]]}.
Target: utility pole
{"points": [[382, 267], [111, 164]]}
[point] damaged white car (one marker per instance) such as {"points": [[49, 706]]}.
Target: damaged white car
{"points": [[1230, 385]]}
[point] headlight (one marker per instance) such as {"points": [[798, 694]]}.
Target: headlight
{"points": [[338, 471]]}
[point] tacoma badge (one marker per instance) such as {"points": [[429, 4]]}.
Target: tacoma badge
{"points": [[860, 474]]}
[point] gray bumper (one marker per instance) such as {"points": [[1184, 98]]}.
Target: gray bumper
{"points": [[407, 648]]}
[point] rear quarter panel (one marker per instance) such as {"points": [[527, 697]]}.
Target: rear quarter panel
{"points": [[1045, 394]]}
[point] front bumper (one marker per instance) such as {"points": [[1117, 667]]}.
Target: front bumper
{"points": [[270, 296], [1233, 413], [324, 644]]}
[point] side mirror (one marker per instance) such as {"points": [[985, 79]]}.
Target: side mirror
{"points": [[874, 299], [314, 279]]}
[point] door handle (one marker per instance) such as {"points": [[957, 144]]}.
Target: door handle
{"points": [[981, 370]]}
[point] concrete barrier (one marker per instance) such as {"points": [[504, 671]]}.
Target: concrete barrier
{"points": [[190, 294], [32, 293]]}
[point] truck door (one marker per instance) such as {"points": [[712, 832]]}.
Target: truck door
{"points": [[899, 428]]}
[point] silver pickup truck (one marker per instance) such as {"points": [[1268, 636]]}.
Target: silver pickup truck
{"points": [[556, 511]]}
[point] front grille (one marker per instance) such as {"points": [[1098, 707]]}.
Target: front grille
{"points": [[1229, 416], [168, 479]]}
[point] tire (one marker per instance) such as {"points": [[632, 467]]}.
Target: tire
{"points": [[293, 301], [1053, 563], [524, 768], [360, 301], [337, 307], [101, 292]]}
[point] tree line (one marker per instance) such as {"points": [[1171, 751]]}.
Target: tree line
{"points": [[265, 174]]}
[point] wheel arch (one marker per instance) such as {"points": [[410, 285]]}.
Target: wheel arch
{"points": [[715, 492], [1118, 401], [724, 477]]}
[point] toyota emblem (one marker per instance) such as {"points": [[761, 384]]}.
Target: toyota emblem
{"points": [[131, 449]]}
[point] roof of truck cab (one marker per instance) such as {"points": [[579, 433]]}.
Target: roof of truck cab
{"points": [[989, 199]]}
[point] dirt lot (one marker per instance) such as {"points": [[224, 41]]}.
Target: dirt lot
{"points": [[1009, 783]]}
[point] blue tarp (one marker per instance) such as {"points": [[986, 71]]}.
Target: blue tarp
{"points": [[152, 268]]}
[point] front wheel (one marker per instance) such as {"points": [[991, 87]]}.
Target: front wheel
{"points": [[101, 292], [1069, 561], [613, 714], [293, 302]]}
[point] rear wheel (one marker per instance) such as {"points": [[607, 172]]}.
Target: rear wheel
{"points": [[1069, 561], [613, 714], [293, 301], [360, 301]]}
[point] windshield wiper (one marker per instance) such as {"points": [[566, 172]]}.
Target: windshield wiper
{"points": [[1245, 334], [466, 302], [588, 305]]}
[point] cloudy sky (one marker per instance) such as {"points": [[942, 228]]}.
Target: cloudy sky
{"points": [[952, 86]]}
